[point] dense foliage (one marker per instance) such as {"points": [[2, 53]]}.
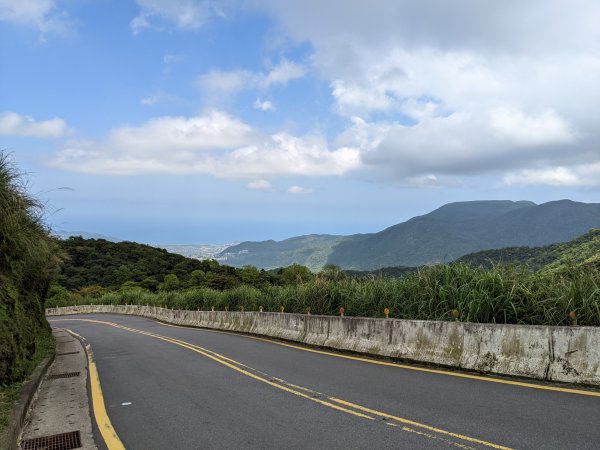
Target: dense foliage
{"points": [[503, 294], [583, 250], [29, 258], [96, 262]]}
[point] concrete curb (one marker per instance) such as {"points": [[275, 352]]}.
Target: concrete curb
{"points": [[10, 437], [549, 353]]}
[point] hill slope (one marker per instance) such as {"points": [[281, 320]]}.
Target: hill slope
{"points": [[443, 235], [583, 250], [110, 264], [311, 251]]}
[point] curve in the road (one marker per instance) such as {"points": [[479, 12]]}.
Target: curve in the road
{"points": [[331, 402]]}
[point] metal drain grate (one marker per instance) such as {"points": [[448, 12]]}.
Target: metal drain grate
{"points": [[63, 375], [66, 353], [63, 441]]}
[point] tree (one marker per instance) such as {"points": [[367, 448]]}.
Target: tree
{"points": [[149, 283], [93, 291], [250, 275], [296, 274], [197, 278], [170, 283], [332, 272]]}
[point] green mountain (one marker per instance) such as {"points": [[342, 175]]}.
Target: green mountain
{"points": [[583, 250], [311, 251], [443, 235]]}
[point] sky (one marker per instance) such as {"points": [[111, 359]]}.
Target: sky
{"points": [[192, 121]]}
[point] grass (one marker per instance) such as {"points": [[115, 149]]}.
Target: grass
{"points": [[502, 294], [9, 393]]}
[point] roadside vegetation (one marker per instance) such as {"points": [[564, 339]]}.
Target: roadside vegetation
{"points": [[501, 294], [29, 258]]}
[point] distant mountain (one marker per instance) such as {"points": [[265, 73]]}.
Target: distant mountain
{"points": [[311, 251], [443, 235], [64, 234], [583, 250]]}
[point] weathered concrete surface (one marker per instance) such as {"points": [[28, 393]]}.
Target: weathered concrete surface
{"points": [[62, 405], [568, 354]]}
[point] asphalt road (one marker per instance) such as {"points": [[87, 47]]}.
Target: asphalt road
{"points": [[168, 387]]}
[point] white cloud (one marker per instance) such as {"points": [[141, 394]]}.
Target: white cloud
{"points": [[185, 14], [150, 100], [215, 130], [13, 124], [545, 128], [282, 73], [158, 97], [41, 14], [218, 85], [555, 176], [299, 190], [263, 105], [259, 185], [214, 143], [576, 175]]}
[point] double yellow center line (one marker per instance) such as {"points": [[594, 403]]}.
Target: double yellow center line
{"points": [[407, 425]]}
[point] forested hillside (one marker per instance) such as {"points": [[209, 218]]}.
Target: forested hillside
{"points": [[460, 228], [112, 265], [94, 266], [583, 250]]}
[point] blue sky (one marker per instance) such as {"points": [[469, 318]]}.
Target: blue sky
{"points": [[189, 121]]}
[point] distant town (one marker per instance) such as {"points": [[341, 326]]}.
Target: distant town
{"points": [[200, 251]]}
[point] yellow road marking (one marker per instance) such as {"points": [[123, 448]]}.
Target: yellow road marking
{"points": [[431, 436], [111, 439], [232, 364], [401, 366], [417, 424]]}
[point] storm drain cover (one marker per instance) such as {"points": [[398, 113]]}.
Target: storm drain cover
{"points": [[66, 353], [63, 441], [63, 375]]}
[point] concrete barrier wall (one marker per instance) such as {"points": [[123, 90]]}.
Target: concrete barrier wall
{"points": [[569, 354]]}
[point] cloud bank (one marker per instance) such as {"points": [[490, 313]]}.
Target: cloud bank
{"points": [[215, 143], [459, 88], [431, 93]]}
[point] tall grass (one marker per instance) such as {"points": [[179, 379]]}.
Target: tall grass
{"points": [[28, 259], [502, 294]]}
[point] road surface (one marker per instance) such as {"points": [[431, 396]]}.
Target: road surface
{"points": [[168, 387]]}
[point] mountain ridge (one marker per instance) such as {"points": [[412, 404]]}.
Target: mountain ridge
{"points": [[442, 235]]}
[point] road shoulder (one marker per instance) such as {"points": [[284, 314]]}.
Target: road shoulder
{"points": [[61, 404]]}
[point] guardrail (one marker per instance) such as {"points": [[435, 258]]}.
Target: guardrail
{"points": [[566, 354]]}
